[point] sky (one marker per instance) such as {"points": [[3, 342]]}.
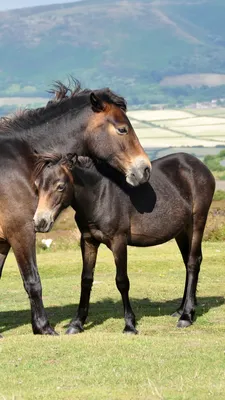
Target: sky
{"points": [[11, 4]]}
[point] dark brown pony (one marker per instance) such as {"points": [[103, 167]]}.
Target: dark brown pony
{"points": [[174, 204], [90, 122]]}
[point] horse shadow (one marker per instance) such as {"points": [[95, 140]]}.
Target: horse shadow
{"points": [[101, 311]]}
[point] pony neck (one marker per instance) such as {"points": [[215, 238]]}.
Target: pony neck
{"points": [[94, 174], [86, 175], [60, 126], [65, 134]]}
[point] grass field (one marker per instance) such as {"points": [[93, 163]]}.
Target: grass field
{"points": [[162, 362]]}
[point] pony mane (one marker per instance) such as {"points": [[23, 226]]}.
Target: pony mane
{"points": [[60, 91], [28, 118], [42, 160], [59, 105]]}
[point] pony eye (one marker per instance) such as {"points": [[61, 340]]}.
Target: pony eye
{"points": [[61, 187], [122, 131]]}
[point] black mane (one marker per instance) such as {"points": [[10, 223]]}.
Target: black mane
{"points": [[66, 98], [42, 160]]}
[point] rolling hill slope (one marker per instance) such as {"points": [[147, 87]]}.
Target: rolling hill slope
{"points": [[128, 45]]}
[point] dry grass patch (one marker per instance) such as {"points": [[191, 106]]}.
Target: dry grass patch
{"points": [[137, 124], [197, 130], [156, 133], [204, 121], [181, 141], [219, 111], [155, 115]]}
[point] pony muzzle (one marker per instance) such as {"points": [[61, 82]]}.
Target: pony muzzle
{"points": [[43, 221], [139, 172]]}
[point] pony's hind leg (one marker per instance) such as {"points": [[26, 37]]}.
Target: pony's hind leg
{"points": [[183, 243], [119, 249], [89, 249], [4, 249], [23, 245], [192, 271]]}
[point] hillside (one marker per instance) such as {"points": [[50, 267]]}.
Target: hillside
{"points": [[130, 46]]}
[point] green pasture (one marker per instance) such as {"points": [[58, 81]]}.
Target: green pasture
{"points": [[162, 362]]}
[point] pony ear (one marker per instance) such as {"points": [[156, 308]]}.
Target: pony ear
{"points": [[71, 160], [84, 161], [97, 103]]}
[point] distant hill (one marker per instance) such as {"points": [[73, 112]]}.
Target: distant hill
{"points": [[130, 46]]}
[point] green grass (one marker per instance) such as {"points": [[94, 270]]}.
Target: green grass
{"points": [[219, 195], [162, 362]]}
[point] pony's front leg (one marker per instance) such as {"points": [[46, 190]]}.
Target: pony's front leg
{"points": [[23, 245], [89, 248], [4, 249], [119, 249]]}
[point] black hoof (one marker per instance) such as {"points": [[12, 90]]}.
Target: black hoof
{"points": [[52, 333], [73, 330], [176, 314], [47, 331], [183, 323], [130, 330]]}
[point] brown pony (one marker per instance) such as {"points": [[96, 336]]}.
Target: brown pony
{"points": [[90, 122], [174, 204]]}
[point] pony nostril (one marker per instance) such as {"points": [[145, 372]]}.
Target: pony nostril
{"points": [[139, 172], [147, 173], [42, 223]]}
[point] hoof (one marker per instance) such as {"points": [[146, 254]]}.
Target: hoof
{"points": [[1, 337], [183, 323], [130, 331], [73, 330], [47, 331], [52, 333], [176, 314]]}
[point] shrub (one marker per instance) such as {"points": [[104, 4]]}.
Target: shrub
{"points": [[219, 195]]}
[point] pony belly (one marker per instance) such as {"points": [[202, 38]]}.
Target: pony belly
{"points": [[155, 232], [142, 240]]}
